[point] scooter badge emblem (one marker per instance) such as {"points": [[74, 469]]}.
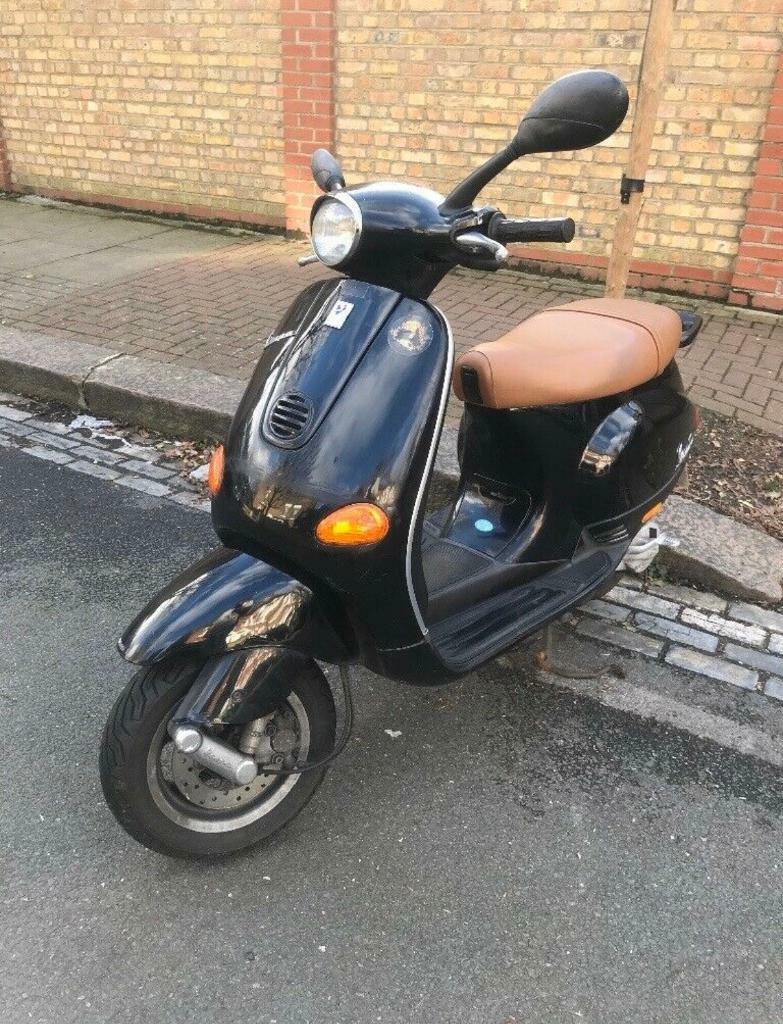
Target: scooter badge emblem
{"points": [[338, 314], [410, 334]]}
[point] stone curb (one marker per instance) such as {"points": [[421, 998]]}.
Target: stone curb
{"points": [[702, 546], [175, 400], [719, 553]]}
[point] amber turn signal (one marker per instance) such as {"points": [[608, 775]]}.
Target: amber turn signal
{"points": [[353, 525], [651, 513], [217, 467]]}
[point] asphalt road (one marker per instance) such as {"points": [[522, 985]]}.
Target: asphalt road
{"points": [[518, 854]]}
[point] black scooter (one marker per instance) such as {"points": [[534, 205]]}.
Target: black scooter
{"points": [[575, 429]]}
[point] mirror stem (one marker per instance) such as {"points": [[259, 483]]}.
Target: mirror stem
{"points": [[462, 196]]}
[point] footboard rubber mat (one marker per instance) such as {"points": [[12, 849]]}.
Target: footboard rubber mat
{"points": [[469, 638], [445, 564]]}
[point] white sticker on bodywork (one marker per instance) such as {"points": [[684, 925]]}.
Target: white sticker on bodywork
{"points": [[339, 313]]}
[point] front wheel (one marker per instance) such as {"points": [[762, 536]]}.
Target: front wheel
{"points": [[171, 804]]}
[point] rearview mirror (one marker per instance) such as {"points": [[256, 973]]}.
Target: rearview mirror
{"points": [[576, 111]]}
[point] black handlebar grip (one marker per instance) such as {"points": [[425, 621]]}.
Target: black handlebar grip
{"points": [[558, 229], [327, 173]]}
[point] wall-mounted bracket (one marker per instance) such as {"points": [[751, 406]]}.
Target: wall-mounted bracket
{"points": [[629, 185]]}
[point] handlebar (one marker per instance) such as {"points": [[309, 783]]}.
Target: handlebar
{"points": [[557, 229]]}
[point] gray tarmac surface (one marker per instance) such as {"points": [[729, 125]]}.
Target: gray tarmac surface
{"points": [[519, 854]]}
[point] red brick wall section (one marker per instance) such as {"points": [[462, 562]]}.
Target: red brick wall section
{"points": [[758, 272], [308, 40]]}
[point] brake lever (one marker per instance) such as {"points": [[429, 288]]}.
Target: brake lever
{"points": [[482, 248]]}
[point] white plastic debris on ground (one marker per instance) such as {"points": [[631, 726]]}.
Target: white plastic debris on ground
{"points": [[93, 429], [643, 548], [86, 422], [200, 473]]}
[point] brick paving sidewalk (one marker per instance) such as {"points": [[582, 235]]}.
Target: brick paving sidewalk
{"points": [[208, 299]]}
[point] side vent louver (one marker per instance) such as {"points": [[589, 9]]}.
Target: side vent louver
{"points": [[288, 418], [609, 534]]}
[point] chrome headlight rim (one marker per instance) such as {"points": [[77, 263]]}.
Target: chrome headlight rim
{"points": [[350, 203]]}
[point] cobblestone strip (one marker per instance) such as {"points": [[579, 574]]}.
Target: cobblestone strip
{"points": [[105, 457], [730, 642]]}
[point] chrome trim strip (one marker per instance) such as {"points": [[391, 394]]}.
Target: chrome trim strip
{"points": [[436, 435]]}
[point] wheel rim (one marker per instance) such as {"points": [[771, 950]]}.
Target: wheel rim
{"points": [[186, 797]]}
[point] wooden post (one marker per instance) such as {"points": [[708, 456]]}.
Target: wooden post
{"points": [[650, 89]]}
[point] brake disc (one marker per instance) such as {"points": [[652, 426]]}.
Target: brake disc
{"points": [[208, 790]]}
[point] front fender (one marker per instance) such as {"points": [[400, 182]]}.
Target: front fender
{"points": [[229, 601]]}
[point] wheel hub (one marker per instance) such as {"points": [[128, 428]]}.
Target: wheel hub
{"points": [[209, 791]]}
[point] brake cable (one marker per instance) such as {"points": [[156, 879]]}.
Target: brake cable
{"points": [[340, 745]]}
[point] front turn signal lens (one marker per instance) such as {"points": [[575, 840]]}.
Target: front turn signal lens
{"points": [[651, 513], [353, 525], [217, 467]]}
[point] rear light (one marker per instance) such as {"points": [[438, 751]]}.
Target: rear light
{"points": [[651, 513], [353, 525]]}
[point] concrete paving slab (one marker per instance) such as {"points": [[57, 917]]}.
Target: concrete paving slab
{"points": [[32, 253], [104, 266], [13, 232], [181, 242], [92, 232], [12, 212]]}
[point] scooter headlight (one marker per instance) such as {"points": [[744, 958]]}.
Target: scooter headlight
{"points": [[335, 229]]}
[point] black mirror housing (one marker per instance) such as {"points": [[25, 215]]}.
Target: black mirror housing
{"points": [[326, 171], [577, 111]]}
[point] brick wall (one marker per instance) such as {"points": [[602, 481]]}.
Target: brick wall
{"points": [[429, 88], [148, 103], [758, 271]]}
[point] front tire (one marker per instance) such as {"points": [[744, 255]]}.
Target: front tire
{"points": [[203, 816]]}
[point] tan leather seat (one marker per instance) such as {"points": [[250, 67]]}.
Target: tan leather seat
{"points": [[573, 353]]}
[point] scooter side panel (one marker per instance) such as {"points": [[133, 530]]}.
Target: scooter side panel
{"points": [[651, 463], [539, 451], [229, 601]]}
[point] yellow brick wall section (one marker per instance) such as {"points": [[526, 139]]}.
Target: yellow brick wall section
{"points": [[427, 89], [154, 100]]}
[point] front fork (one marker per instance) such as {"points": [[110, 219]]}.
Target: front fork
{"points": [[241, 688]]}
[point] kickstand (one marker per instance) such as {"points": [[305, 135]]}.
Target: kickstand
{"points": [[552, 658]]}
